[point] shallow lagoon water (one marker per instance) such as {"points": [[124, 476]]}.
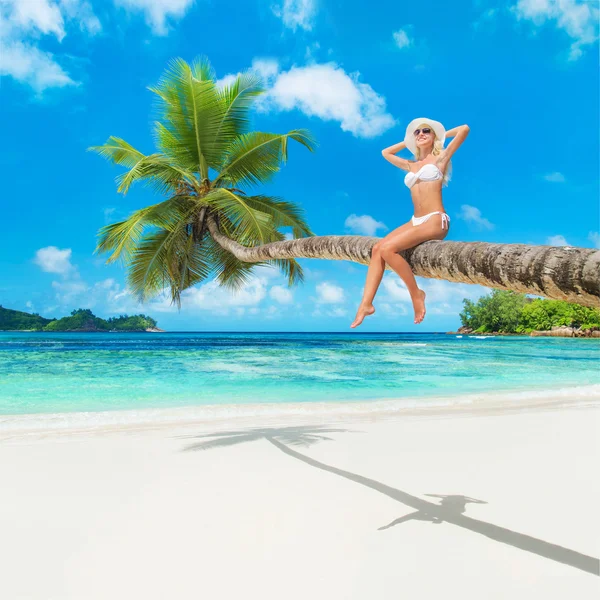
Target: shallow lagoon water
{"points": [[74, 372]]}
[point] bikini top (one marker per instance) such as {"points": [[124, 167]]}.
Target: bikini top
{"points": [[428, 172]]}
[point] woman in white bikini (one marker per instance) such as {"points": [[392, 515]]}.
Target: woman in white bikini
{"points": [[426, 175]]}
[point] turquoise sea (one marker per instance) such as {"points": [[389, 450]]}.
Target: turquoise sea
{"points": [[73, 372]]}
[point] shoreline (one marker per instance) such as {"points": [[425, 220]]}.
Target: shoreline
{"points": [[29, 426]]}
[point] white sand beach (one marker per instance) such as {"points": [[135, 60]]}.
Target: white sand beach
{"points": [[465, 503]]}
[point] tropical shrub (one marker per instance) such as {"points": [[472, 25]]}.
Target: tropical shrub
{"points": [[508, 312]]}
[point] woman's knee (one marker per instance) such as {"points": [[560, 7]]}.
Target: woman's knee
{"points": [[388, 249], [377, 246]]}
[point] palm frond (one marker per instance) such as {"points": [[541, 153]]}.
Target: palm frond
{"points": [[122, 238], [284, 214], [256, 156], [119, 152], [190, 108], [291, 268], [250, 224], [157, 172], [230, 272], [237, 99], [155, 260], [190, 264]]}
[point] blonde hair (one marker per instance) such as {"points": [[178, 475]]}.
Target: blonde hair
{"points": [[437, 150]]}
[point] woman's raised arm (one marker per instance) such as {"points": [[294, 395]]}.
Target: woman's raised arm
{"points": [[390, 155], [460, 133]]}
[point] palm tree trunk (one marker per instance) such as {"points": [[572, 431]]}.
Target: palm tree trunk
{"points": [[560, 273]]}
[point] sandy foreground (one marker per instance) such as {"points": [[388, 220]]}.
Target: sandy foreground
{"points": [[440, 503]]}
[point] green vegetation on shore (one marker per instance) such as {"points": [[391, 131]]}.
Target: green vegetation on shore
{"points": [[81, 319], [508, 312]]}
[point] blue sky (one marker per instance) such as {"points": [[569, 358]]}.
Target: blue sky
{"points": [[522, 74]]}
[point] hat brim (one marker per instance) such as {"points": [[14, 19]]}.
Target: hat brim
{"points": [[409, 138]]}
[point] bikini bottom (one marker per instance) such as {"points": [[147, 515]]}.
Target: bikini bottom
{"points": [[418, 220]]}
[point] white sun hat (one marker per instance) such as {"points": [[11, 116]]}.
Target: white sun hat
{"points": [[409, 138]]}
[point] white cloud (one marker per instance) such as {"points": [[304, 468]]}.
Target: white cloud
{"points": [[594, 237], [219, 300], [72, 290], [326, 91], [157, 12], [472, 215], [577, 18], [364, 224], [272, 312], [442, 297], [281, 294], [395, 288], [329, 293], [29, 65], [266, 68], [402, 39], [81, 12], [556, 240], [23, 23], [228, 79], [54, 260], [392, 310], [266, 272], [335, 312], [555, 177], [296, 13]]}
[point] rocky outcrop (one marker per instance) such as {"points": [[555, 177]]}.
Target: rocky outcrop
{"points": [[561, 331], [155, 330], [564, 331], [461, 331]]}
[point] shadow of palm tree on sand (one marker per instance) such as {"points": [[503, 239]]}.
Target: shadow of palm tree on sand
{"points": [[450, 509]]}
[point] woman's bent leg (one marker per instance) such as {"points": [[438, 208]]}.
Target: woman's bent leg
{"points": [[374, 277], [408, 238], [403, 270]]}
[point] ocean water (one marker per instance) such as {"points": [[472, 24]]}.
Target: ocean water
{"points": [[74, 372]]}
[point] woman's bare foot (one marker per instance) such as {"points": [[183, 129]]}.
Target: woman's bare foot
{"points": [[419, 306], [361, 313]]}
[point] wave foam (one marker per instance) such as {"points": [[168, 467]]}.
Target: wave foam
{"points": [[81, 422]]}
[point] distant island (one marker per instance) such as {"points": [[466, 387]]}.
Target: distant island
{"points": [[81, 319], [504, 313]]}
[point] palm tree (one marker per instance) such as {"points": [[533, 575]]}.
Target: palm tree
{"points": [[206, 165], [206, 162]]}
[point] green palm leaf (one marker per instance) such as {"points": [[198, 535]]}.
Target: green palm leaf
{"points": [[155, 260], [157, 172], [255, 157], [283, 214], [248, 223], [237, 99], [190, 108], [230, 272], [122, 238], [190, 263], [119, 152]]}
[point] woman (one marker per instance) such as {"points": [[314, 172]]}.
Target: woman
{"points": [[426, 175]]}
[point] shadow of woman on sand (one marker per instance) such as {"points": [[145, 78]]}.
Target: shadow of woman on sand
{"points": [[450, 510]]}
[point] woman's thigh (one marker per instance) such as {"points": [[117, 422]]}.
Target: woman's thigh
{"points": [[406, 227], [410, 235]]}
